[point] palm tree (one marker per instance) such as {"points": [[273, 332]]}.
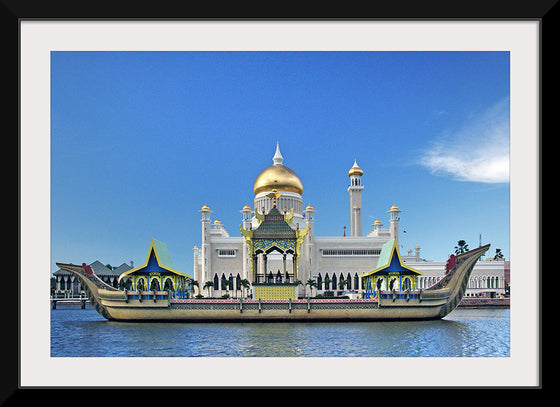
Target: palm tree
{"points": [[208, 285], [342, 284], [194, 283], [125, 284], [244, 284], [311, 283], [461, 247], [327, 283], [498, 254]]}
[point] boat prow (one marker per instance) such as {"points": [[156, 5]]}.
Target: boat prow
{"points": [[434, 302]]}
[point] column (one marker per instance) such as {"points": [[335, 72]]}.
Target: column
{"points": [[255, 268], [285, 272], [265, 267], [294, 267]]}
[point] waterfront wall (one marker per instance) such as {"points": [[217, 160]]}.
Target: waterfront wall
{"points": [[474, 302]]}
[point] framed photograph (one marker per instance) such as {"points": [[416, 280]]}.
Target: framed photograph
{"points": [[128, 127]]}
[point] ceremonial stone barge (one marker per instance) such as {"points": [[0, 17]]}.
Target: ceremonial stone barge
{"points": [[434, 302]]}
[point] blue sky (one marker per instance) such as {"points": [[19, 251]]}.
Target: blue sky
{"points": [[141, 140]]}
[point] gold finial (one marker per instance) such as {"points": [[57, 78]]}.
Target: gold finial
{"points": [[274, 195]]}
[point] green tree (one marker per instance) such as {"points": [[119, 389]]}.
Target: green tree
{"points": [[124, 284], [498, 254], [194, 283], [208, 285], [245, 284], [327, 283], [311, 283], [461, 247]]}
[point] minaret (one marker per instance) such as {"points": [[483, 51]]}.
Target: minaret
{"points": [[205, 248], [196, 269], [246, 213], [394, 222], [309, 243], [355, 190]]}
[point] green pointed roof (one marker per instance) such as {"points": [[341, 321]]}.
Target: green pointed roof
{"points": [[161, 253], [390, 261], [274, 227]]}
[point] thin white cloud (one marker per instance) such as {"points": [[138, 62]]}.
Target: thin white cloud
{"points": [[477, 152]]}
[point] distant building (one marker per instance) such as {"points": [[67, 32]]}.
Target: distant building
{"points": [[66, 282]]}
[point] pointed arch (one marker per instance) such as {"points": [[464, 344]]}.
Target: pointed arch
{"points": [[154, 284], [168, 284]]}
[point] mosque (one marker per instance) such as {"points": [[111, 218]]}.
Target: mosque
{"points": [[277, 246]]}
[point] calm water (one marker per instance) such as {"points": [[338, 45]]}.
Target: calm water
{"points": [[465, 332]]}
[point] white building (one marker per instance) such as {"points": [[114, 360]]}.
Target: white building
{"points": [[226, 260]]}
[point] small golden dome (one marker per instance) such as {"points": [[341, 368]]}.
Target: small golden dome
{"points": [[217, 222], [377, 222], [394, 208], [246, 208], [355, 170], [205, 208], [309, 208]]}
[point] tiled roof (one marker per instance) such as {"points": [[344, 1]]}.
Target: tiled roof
{"points": [[99, 269], [273, 227], [390, 260]]}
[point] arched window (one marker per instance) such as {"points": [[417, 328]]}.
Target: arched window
{"points": [[319, 282], [334, 282], [356, 281], [406, 284], [168, 284], [141, 284], [216, 281], [154, 284]]}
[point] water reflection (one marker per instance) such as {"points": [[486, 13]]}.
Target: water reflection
{"points": [[463, 333]]}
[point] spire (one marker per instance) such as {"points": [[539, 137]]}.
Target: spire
{"points": [[277, 159]]}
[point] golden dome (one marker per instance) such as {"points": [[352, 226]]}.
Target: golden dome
{"points": [[377, 222], [217, 222], [355, 170], [309, 208], [246, 208], [205, 208], [278, 177], [394, 208]]}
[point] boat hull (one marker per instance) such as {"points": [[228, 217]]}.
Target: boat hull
{"points": [[271, 310]]}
